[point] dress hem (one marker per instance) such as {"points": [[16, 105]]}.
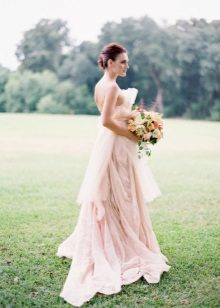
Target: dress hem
{"points": [[108, 291]]}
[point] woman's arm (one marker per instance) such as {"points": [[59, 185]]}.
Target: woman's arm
{"points": [[108, 112]]}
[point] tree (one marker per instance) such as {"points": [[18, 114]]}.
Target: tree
{"points": [[13, 94], [43, 47], [198, 43], [4, 76], [48, 104], [80, 66], [24, 90], [175, 68], [150, 58], [83, 102]]}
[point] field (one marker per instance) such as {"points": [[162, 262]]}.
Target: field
{"points": [[42, 162]]}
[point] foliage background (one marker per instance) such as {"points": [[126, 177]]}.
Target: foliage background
{"points": [[175, 68]]}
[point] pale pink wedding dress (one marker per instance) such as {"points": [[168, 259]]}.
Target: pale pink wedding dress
{"points": [[113, 243]]}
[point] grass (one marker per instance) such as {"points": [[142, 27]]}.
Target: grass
{"points": [[42, 162]]}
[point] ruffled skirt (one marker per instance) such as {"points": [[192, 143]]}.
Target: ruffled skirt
{"points": [[113, 243]]}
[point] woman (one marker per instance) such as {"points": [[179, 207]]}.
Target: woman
{"points": [[113, 243]]}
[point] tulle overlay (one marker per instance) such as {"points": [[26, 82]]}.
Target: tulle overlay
{"points": [[113, 243]]}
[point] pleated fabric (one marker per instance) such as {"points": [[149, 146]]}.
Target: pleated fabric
{"points": [[113, 243]]}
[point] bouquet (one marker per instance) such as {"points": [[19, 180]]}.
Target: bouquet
{"points": [[148, 126]]}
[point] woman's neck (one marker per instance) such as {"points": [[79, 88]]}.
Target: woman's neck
{"points": [[109, 76]]}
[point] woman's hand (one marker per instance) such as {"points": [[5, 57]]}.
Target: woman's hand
{"points": [[133, 137], [131, 115]]}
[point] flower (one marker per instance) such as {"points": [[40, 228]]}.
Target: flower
{"points": [[156, 134], [147, 136], [140, 130], [148, 126], [131, 125], [156, 124], [139, 120], [157, 120]]}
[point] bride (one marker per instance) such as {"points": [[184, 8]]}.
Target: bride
{"points": [[113, 243]]}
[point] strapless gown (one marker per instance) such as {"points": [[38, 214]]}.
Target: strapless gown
{"points": [[113, 243]]}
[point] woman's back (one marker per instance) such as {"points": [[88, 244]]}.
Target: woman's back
{"points": [[100, 92]]}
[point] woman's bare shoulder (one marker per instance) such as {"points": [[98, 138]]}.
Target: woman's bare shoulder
{"points": [[101, 85], [102, 89], [112, 87]]}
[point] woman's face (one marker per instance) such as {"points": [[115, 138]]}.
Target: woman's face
{"points": [[120, 65]]}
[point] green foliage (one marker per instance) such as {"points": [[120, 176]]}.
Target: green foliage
{"points": [[24, 90], [43, 46], [83, 102], [48, 104], [175, 68], [80, 65], [42, 92], [215, 111], [197, 46], [194, 111], [14, 95], [4, 76]]}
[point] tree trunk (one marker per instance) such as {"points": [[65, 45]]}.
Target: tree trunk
{"points": [[158, 103]]}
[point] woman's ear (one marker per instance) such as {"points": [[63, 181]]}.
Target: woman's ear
{"points": [[109, 62]]}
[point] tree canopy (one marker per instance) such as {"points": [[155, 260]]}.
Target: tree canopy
{"points": [[176, 68]]}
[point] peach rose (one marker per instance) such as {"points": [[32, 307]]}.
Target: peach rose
{"points": [[147, 136], [131, 125], [156, 133], [150, 126], [156, 124]]}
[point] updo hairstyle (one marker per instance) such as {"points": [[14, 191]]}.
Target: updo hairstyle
{"points": [[110, 51]]}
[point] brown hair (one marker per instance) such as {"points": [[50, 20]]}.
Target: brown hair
{"points": [[110, 51]]}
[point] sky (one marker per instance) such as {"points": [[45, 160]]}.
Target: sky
{"points": [[86, 17]]}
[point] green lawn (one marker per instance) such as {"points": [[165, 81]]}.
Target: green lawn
{"points": [[42, 162]]}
